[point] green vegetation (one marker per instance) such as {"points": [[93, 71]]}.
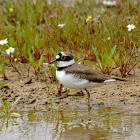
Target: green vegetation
{"points": [[7, 110], [95, 32]]}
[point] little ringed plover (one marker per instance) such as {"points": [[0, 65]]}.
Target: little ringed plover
{"points": [[77, 76]]}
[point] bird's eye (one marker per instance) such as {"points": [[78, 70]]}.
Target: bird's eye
{"points": [[63, 57]]}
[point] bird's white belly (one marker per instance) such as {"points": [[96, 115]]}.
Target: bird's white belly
{"points": [[74, 82]]}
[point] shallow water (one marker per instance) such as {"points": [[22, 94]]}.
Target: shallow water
{"points": [[73, 123]]}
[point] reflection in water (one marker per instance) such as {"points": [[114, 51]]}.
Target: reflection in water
{"points": [[72, 124]]}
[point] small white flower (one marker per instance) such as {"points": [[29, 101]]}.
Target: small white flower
{"points": [[108, 38], [10, 50], [4, 41], [130, 27], [61, 25]]}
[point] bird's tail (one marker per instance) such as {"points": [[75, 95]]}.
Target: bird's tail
{"points": [[120, 79]]}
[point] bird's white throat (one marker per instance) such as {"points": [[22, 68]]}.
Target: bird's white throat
{"points": [[65, 63]]}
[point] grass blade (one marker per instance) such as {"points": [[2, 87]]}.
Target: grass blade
{"points": [[40, 61], [54, 53], [31, 60], [1, 113], [16, 114], [93, 63], [7, 107], [3, 104], [79, 60], [97, 57], [2, 84], [59, 50], [14, 103]]}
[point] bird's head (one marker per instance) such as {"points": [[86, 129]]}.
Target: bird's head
{"points": [[63, 59]]}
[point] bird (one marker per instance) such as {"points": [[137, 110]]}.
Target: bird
{"points": [[78, 76]]}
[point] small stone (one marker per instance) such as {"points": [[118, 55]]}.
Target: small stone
{"points": [[29, 81], [57, 101], [101, 103], [32, 101]]}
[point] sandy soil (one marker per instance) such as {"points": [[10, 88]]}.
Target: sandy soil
{"points": [[38, 91]]}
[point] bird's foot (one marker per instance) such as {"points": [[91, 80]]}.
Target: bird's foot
{"points": [[80, 93], [66, 94], [63, 96]]}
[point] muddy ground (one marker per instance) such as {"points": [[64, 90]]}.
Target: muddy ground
{"points": [[38, 91]]}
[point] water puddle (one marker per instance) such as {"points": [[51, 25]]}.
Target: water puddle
{"points": [[74, 123]]}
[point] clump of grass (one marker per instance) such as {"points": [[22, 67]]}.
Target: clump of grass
{"points": [[7, 109], [126, 61], [105, 59], [35, 64]]}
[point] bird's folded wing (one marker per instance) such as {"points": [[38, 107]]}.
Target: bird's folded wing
{"points": [[87, 73]]}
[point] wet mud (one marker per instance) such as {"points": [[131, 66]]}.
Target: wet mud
{"points": [[41, 90]]}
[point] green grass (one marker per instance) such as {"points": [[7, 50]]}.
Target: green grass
{"points": [[32, 29], [7, 110]]}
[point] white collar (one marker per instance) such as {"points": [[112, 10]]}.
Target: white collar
{"points": [[65, 63]]}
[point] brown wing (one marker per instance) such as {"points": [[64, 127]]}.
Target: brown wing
{"points": [[87, 73]]}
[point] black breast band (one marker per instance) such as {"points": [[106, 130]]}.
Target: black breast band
{"points": [[62, 68]]}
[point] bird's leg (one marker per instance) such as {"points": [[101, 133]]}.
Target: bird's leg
{"points": [[78, 93], [88, 98], [59, 90]]}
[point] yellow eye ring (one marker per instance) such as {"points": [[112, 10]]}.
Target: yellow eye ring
{"points": [[63, 57]]}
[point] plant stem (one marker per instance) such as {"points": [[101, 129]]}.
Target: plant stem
{"points": [[16, 69], [4, 77]]}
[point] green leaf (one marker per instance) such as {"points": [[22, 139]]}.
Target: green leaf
{"points": [[79, 60], [111, 56], [2, 84], [31, 60], [41, 44], [113, 50], [2, 102], [93, 63], [116, 57], [51, 102], [2, 113], [16, 114], [2, 68], [6, 22], [54, 53], [105, 58], [40, 61], [97, 57], [11, 42], [6, 106], [59, 50], [14, 103], [18, 27]]}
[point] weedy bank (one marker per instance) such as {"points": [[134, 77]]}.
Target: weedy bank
{"points": [[33, 32]]}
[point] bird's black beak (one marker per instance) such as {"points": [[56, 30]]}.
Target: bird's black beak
{"points": [[52, 61]]}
